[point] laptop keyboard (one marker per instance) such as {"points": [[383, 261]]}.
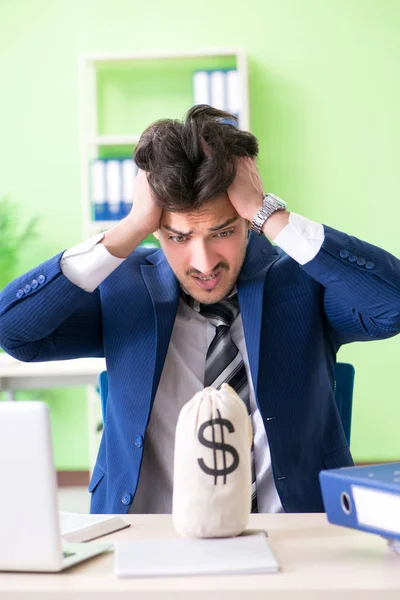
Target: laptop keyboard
{"points": [[67, 554]]}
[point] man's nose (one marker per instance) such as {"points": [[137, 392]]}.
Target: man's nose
{"points": [[204, 259]]}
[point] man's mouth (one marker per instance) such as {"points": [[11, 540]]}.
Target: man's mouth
{"points": [[209, 282], [208, 278]]}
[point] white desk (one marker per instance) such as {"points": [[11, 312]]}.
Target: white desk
{"points": [[318, 560], [17, 375]]}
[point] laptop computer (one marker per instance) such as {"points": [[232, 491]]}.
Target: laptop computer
{"points": [[30, 537]]}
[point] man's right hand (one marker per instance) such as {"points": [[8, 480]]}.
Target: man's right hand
{"points": [[144, 214], [143, 219]]}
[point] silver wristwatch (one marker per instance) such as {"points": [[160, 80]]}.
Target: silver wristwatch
{"points": [[271, 203]]}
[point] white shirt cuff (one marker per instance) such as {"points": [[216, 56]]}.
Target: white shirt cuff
{"points": [[88, 264], [301, 238]]}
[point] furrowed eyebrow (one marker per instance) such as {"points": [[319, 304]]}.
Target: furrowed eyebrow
{"points": [[216, 228], [176, 231], [228, 222]]}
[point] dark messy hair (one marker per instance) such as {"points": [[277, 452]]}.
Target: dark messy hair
{"points": [[191, 161]]}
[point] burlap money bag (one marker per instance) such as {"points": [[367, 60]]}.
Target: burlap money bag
{"points": [[212, 465]]}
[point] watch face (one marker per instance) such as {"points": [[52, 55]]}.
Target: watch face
{"points": [[278, 200]]}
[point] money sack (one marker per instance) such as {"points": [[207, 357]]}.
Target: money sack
{"points": [[212, 465]]}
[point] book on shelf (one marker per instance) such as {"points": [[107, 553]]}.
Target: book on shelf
{"points": [[219, 88], [98, 189], [77, 527], [111, 186]]}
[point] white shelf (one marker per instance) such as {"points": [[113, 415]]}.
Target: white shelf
{"points": [[154, 54], [113, 140]]}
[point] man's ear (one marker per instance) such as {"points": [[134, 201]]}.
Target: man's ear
{"points": [[157, 234]]}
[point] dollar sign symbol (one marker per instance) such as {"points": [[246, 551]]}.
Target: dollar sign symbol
{"points": [[218, 446]]}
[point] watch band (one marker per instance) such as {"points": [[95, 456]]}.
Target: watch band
{"points": [[271, 203]]}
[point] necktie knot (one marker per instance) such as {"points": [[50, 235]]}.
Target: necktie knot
{"points": [[220, 313]]}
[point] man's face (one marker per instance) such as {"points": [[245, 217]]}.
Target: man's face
{"points": [[205, 249]]}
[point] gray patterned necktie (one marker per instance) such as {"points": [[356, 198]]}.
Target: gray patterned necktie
{"points": [[224, 363]]}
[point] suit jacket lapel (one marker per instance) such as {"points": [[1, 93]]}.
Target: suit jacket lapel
{"points": [[260, 257], [163, 288]]}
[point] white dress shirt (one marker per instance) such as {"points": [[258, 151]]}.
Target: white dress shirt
{"points": [[87, 265]]}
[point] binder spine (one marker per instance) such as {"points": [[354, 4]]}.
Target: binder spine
{"points": [[97, 189], [114, 188], [111, 188], [201, 88], [366, 506], [129, 172]]}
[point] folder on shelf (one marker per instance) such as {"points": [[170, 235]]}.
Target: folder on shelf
{"points": [[201, 88], [111, 182], [365, 498], [217, 87], [98, 189], [129, 172], [113, 188], [233, 92]]}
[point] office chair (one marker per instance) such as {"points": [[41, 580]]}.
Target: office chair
{"points": [[103, 391], [344, 385]]}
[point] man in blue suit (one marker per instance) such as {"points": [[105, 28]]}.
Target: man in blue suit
{"points": [[298, 301]]}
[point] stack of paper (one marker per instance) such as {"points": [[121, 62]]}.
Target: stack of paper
{"points": [[160, 558]]}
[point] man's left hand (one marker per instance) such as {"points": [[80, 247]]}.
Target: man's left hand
{"points": [[247, 193]]}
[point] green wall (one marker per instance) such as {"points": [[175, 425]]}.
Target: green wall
{"points": [[324, 98]]}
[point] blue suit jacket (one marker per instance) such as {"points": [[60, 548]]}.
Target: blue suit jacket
{"points": [[294, 319]]}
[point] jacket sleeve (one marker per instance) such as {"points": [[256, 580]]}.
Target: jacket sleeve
{"points": [[44, 316], [361, 287]]}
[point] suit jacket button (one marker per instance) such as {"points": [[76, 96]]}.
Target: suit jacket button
{"points": [[126, 498], [353, 258], [34, 284], [20, 293], [41, 279], [138, 441], [361, 261], [370, 265], [344, 253], [27, 288]]}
